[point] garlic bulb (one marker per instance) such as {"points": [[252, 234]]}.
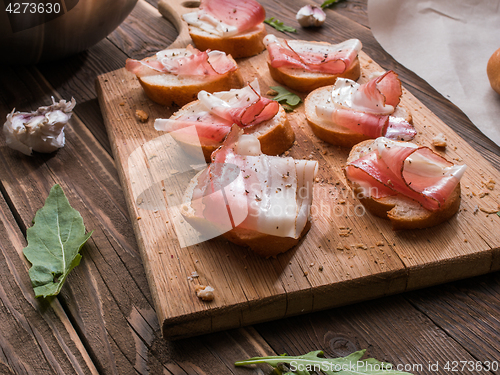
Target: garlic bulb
{"points": [[41, 130], [311, 15]]}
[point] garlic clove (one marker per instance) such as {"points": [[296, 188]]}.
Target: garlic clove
{"points": [[311, 15]]}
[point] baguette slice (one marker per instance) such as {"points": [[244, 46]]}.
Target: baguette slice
{"points": [[265, 245], [173, 90], [403, 212], [275, 135], [246, 44], [332, 133], [254, 200], [304, 81]]}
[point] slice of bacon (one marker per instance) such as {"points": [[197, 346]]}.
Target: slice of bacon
{"points": [[191, 63], [268, 194], [243, 14], [403, 168], [216, 113], [369, 124], [378, 93], [366, 109], [313, 57]]}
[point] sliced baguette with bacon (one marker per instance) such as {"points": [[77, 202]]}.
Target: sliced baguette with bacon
{"points": [[233, 26], [402, 211], [179, 89], [306, 80], [246, 44], [275, 135], [334, 133], [213, 115], [265, 216]]}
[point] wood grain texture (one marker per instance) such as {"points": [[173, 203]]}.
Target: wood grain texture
{"points": [[125, 343], [382, 327], [467, 311], [409, 260], [36, 336]]}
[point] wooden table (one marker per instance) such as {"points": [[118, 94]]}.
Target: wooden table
{"points": [[103, 321]]}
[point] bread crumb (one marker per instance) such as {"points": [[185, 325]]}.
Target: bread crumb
{"points": [[483, 193], [380, 243], [489, 211], [320, 268], [439, 141], [490, 184], [139, 218], [122, 104], [204, 292], [361, 246], [272, 92], [345, 232], [194, 275], [141, 115]]}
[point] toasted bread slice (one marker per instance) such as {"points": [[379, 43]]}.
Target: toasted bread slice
{"points": [[304, 81], [247, 44], [332, 133], [265, 245], [275, 135], [171, 89], [403, 212]]}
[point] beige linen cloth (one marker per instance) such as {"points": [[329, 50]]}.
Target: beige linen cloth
{"points": [[447, 43]]}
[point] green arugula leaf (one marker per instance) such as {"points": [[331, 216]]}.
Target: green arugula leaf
{"points": [[315, 362], [327, 3], [291, 100], [279, 25], [54, 242], [498, 213]]}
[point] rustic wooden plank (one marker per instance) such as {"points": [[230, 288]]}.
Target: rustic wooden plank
{"points": [[101, 306], [139, 39], [468, 311], [36, 336], [388, 328]]}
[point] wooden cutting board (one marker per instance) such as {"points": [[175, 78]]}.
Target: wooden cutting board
{"points": [[347, 256]]}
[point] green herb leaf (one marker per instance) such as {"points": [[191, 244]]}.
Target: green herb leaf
{"points": [[498, 213], [54, 242], [290, 99], [314, 362], [279, 25], [327, 3]]}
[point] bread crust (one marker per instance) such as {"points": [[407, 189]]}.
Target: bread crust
{"points": [[265, 245], [403, 212], [275, 135], [331, 133], [304, 81], [246, 44]]}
